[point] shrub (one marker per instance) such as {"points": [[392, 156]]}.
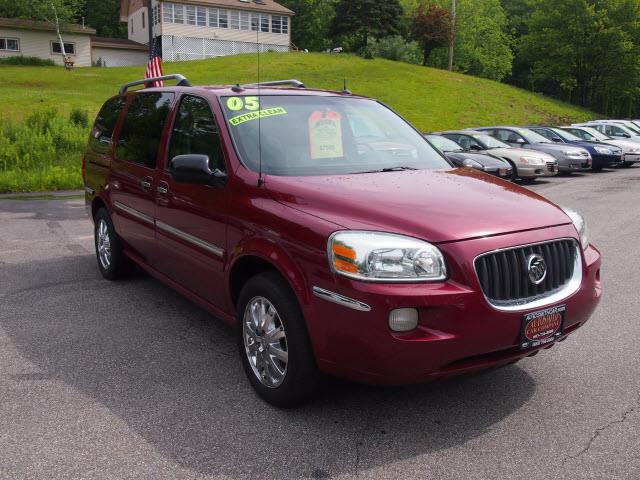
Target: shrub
{"points": [[27, 61], [396, 48], [79, 117], [42, 152]]}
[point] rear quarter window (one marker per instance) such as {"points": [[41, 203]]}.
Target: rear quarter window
{"points": [[142, 127], [102, 131]]}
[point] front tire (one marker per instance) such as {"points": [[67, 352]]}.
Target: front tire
{"points": [[112, 262], [273, 342]]}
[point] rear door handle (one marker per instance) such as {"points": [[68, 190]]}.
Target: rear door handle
{"points": [[163, 188], [146, 183]]}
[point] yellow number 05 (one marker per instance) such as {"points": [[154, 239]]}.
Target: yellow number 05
{"points": [[238, 103]]}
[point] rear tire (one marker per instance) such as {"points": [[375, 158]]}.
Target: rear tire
{"points": [[273, 342], [514, 170], [112, 262]]}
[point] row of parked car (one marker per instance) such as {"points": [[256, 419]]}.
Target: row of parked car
{"points": [[526, 153]]}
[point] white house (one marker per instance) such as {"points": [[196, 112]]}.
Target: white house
{"points": [[118, 52], [197, 29], [38, 39]]}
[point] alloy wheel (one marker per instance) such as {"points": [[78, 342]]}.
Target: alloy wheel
{"points": [[104, 244], [265, 342]]}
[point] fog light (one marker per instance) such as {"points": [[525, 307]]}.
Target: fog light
{"points": [[403, 319]]}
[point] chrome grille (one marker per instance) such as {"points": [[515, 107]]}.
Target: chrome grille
{"points": [[504, 277]]}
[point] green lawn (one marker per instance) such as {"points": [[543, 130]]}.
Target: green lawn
{"points": [[432, 99]]}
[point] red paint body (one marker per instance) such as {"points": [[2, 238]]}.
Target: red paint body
{"points": [[286, 222]]}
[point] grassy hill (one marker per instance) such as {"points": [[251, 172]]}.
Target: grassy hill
{"points": [[40, 149], [430, 98]]}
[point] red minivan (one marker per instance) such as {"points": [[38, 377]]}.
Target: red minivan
{"points": [[331, 235]]}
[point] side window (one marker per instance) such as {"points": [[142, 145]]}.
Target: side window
{"points": [[102, 131], [142, 128], [468, 142], [545, 133], [504, 135], [195, 131]]}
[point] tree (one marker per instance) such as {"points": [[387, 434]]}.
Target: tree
{"points": [[104, 16], [584, 51], [483, 44], [361, 19], [310, 26], [431, 28]]}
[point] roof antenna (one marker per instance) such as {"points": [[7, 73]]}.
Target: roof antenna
{"points": [[345, 90], [260, 179]]}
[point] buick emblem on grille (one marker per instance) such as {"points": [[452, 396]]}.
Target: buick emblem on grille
{"points": [[537, 269]]}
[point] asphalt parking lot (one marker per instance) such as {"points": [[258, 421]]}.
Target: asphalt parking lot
{"points": [[130, 380]]}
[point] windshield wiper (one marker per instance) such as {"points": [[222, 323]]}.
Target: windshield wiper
{"points": [[399, 168]]}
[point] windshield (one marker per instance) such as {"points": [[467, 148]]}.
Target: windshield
{"points": [[596, 134], [488, 141], [315, 135], [531, 136], [444, 144], [566, 135]]}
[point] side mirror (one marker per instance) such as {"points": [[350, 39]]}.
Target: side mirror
{"points": [[475, 147], [556, 140], [194, 168]]}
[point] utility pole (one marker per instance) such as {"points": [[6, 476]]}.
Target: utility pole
{"points": [[150, 26], [452, 39]]}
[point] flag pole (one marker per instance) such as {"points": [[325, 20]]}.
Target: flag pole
{"points": [[150, 26]]}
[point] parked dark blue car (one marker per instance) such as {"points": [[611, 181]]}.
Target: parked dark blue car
{"points": [[602, 154]]}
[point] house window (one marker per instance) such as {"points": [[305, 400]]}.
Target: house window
{"points": [[167, 12], [264, 23], [234, 19], [69, 48], [213, 17], [201, 16], [276, 24], [223, 18], [285, 24], [10, 44], [191, 15], [255, 21], [178, 13], [244, 20], [155, 15]]}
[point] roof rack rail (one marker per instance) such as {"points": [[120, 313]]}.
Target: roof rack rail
{"points": [[276, 83], [180, 79]]}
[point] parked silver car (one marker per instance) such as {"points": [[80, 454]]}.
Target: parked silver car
{"points": [[526, 164], [570, 158], [613, 129], [630, 150]]}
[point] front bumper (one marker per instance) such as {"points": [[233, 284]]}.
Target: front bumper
{"points": [[458, 330], [630, 158], [604, 161], [574, 165]]}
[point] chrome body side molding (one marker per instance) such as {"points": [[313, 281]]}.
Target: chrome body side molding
{"points": [[341, 299]]}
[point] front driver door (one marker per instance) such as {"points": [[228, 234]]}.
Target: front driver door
{"points": [[191, 218]]}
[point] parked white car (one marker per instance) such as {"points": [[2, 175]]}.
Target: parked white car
{"points": [[630, 150], [613, 130]]}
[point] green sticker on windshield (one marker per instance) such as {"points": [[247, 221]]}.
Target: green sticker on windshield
{"points": [[267, 112]]}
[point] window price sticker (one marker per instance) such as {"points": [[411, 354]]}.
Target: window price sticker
{"points": [[325, 135]]}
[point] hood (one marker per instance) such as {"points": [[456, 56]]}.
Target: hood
{"points": [[484, 159], [589, 144], [435, 205], [625, 145]]}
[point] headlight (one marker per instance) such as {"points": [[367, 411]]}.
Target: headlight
{"points": [[634, 150], [573, 153], [603, 150], [532, 160], [580, 225], [468, 162], [385, 257]]}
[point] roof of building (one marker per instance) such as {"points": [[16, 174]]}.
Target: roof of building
{"points": [[268, 6], [121, 43], [47, 26]]}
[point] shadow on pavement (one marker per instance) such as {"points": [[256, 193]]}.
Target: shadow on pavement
{"points": [[172, 374]]}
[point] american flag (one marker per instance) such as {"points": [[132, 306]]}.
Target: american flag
{"points": [[154, 66]]}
